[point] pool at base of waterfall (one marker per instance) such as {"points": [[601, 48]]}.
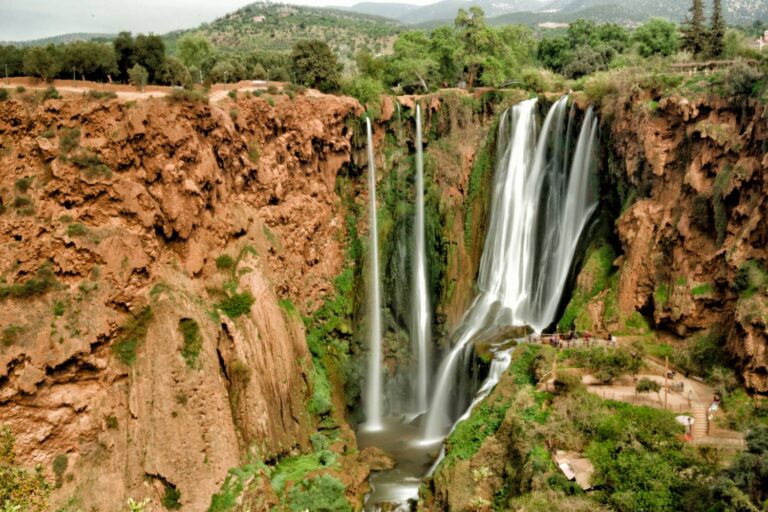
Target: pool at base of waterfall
{"points": [[398, 489]]}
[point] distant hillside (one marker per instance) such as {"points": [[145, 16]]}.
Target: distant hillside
{"points": [[388, 10], [268, 26], [534, 12], [447, 9], [737, 11], [64, 38]]}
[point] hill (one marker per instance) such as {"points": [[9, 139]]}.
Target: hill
{"points": [[63, 39], [534, 12], [268, 26], [390, 10]]}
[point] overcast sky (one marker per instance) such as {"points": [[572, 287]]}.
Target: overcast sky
{"points": [[22, 20]]}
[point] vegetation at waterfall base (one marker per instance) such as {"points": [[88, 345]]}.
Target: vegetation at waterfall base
{"points": [[640, 460]]}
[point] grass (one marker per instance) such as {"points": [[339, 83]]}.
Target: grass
{"points": [[187, 96], [225, 262], [131, 334], [702, 289], [171, 497], [23, 184], [69, 140], [10, 334], [100, 95], [295, 469], [193, 342], [593, 279]]}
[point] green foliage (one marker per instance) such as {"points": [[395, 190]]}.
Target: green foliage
{"points": [[58, 308], [43, 282], [656, 37], [322, 494], [4, 94], [41, 62], [237, 481], [10, 335], [171, 497], [100, 95], [187, 96], [138, 76], [69, 140], [194, 50], [60, 463], [225, 262], [646, 385], [20, 489], [365, 89], [606, 364], [193, 341], [661, 295], [295, 469], [237, 304], [742, 80], [694, 32], [91, 163], [315, 65], [51, 93], [23, 184], [702, 289], [76, 229], [320, 402], [749, 279], [593, 279], [131, 334], [111, 422]]}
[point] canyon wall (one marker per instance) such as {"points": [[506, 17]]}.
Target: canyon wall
{"points": [[157, 258]]}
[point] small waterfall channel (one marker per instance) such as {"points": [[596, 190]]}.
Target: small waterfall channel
{"points": [[542, 202]]}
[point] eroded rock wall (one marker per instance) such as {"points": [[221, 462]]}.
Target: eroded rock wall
{"points": [[125, 206]]}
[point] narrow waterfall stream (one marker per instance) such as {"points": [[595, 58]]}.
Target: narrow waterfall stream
{"points": [[373, 396], [420, 314], [542, 201]]}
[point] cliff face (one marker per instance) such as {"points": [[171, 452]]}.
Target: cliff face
{"points": [[690, 177], [131, 233]]}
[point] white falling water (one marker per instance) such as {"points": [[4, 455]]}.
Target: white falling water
{"points": [[539, 209], [373, 396], [420, 314]]}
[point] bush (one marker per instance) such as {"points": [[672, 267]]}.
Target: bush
{"points": [[69, 140], [100, 95], [187, 96], [4, 94], [741, 80], [131, 334], [51, 93], [76, 229], [20, 490], [364, 89], [320, 494], [23, 184], [60, 463], [38, 285], [193, 341], [225, 262], [171, 497], [237, 304]]}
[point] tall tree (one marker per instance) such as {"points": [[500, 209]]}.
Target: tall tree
{"points": [[125, 47], [315, 65], [694, 32], [150, 53], [194, 50], [42, 62], [717, 30]]}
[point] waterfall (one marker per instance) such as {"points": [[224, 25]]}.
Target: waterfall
{"points": [[420, 315], [373, 396], [539, 208]]}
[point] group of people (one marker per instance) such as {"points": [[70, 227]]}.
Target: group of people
{"points": [[571, 338]]}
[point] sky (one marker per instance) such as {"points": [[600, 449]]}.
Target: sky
{"points": [[22, 20]]}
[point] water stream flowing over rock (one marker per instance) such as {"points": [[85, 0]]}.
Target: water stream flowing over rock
{"points": [[539, 208]]}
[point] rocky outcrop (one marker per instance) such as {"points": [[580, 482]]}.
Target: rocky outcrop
{"points": [[687, 175], [117, 352]]}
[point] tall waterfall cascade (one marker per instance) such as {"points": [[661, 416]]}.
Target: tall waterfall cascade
{"points": [[542, 200], [420, 312], [373, 381]]}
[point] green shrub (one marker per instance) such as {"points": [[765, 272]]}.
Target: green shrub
{"points": [[272, 89], [21, 201], [702, 289], [91, 163], [60, 463], [321, 401], [193, 341], [69, 140], [38, 285], [237, 304], [10, 334], [295, 89], [254, 152], [131, 334], [741, 80], [4, 95], [20, 89], [23, 184], [101, 95], [320, 494], [365, 89], [51, 93], [232, 94], [20, 490], [187, 96], [225, 262], [111, 422], [76, 229], [58, 308], [171, 498]]}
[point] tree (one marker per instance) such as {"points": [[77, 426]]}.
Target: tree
{"points": [[138, 76], [41, 62], [717, 30], [11, 60], [585, 60], [657, 36], [648, 386], [411, 61], [174, 72], [194, 50], [315, 65], [368, 65], [150, 53], [125, 48], [694, 33], [555, 53], [89, 59], [480, 45]]}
